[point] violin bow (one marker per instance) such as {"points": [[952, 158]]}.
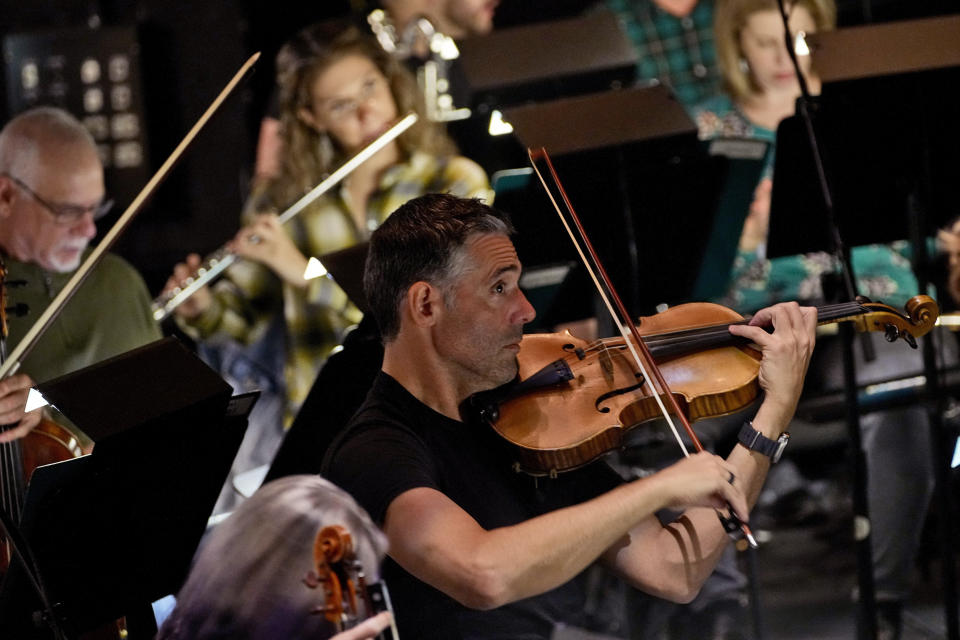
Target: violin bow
{"points": [[26, 344], [618, 312]]}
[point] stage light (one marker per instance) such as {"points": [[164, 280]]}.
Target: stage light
{"points": [[499, 126]]}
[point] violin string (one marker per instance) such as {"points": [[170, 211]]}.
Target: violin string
{"points": [[4, 465], [825, 314], [9, 472], [716, 333], [617, 320]]}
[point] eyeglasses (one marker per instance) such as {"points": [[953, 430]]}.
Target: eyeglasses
{"points": [[64, 213]]}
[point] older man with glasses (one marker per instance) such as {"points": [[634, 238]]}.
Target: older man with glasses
{"points": [[51, 194]]}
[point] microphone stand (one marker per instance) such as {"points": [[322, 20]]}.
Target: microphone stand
{"points": [[867, 609]]}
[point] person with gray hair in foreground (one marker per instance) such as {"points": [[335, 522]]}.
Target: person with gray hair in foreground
{"points": [[256, 577]]}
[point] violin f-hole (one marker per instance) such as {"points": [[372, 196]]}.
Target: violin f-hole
{"points": [[618, 392]]}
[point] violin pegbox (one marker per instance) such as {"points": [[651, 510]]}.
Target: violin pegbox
{"points": [[335, 567], [921, 316]]}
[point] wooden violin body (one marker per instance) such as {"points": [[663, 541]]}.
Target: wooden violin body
{"points": [[594, 393], [567, 425]]}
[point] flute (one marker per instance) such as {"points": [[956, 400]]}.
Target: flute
{"points": [[215, 263]]}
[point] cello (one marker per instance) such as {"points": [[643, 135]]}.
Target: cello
{"points": [[46, 443]]}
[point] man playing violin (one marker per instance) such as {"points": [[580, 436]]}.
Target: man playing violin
{"points": [[51, 194], [477, 550]]}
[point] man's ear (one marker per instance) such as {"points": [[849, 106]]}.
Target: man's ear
{"points": [[423, 303]]}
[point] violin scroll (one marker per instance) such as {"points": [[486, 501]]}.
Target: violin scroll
{"points": [[921, 316], [348, 598], [333, 558]]}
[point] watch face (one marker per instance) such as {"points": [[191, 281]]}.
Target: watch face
{"points": [[781, 445]]}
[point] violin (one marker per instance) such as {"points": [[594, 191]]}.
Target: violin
{"points": [[577, 400], [348, 598]]}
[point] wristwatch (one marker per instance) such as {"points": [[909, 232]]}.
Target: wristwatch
{"points": [[756, 441]]}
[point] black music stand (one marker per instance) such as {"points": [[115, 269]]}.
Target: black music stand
{"points": [[522, 64], [343, 381], [653, 197], [346, 268], [518, 64], [887, 131], [115, 530], [888, 125]]}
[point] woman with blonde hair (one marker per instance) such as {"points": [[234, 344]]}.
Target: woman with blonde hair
{"points": [[758, 74], [339, 91], [760, 82], [763, 88]]}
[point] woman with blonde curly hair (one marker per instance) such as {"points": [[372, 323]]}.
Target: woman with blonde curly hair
{"points": [[338, 92]]}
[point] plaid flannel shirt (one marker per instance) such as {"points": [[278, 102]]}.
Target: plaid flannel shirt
{"points": [[317, 317]]}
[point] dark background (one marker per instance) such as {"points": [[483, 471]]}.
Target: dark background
{"points": [[187, 53]]}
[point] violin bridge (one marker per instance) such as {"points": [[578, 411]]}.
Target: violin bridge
{"points": [[606, 363]]}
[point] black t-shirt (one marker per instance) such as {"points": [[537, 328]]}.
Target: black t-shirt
{"points": [[396, 443]]}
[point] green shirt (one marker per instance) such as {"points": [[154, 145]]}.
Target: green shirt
{"points": [[108, 315]]}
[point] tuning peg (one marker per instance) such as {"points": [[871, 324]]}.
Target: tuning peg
{"points": [[891, 333], [910, 340], [18, 310]]}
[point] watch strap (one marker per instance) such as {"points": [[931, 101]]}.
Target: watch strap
{"points": [[756, 441]]}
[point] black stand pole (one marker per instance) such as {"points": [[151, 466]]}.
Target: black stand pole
{"points": [[867, 603], [939, 436], [22, 550], [867, 609], [629, 231]]}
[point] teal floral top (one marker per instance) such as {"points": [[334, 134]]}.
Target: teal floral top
{"points": [[882, 271]]}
